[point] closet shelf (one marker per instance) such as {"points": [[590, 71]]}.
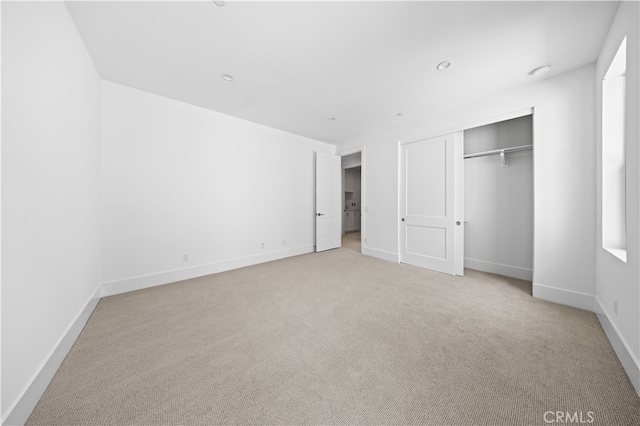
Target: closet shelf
{"points": [[500, 151]]}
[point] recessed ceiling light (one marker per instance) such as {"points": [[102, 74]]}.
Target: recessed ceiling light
{"points": [[227, 77], [541, 70], [220, 2], [443, 65], [331, 119]]}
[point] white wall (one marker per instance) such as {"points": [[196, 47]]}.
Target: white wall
{"points": [[178, 179], [564, 178], [498, 201], [615, 279], [50, 190]]}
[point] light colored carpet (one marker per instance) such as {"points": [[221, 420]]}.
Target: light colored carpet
{"points": [[337, 338], [352, 241]]}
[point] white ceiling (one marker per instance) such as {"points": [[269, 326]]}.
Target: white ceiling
{"points": [[295, 64]]}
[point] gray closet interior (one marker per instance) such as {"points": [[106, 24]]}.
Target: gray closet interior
{"points": [[498, 198]]}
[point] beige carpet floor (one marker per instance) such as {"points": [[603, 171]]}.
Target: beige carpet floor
{"points": [[338, 338], [352, 241]]}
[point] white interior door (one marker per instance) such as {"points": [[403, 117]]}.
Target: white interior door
{"points": [[328, 211], [431, 227]]}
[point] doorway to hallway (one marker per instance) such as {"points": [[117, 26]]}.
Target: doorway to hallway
{"points": [[352, 198]]}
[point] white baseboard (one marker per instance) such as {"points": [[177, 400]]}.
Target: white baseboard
{"points": [[19, 413], [498, 268], [591, 303], [111, 288], [564, 297], [380, 254], [625, 355]]}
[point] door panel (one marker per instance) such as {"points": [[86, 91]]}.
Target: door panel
{"points": [[426, 180], [430, 173], [427, 241], [328, 208]]}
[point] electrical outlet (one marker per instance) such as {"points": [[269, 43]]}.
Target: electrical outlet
{"points": [[365, 240], [615, 306], [261, 245], [185, 257], [284, 242]]}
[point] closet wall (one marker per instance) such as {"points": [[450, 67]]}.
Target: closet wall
{"points": [[498, 200]]}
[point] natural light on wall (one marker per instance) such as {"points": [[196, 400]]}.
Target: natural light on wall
{"points": [[613, 156]]}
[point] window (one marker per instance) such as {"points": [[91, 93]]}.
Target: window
{"points": [[614, 238]]}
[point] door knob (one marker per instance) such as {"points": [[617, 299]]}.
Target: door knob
{"points": [[319, 214], [403, 219], [458, 223]]}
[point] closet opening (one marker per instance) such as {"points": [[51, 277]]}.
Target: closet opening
{"points": [[498, 198], [352, 201]]}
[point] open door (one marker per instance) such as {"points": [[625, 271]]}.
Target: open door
{"points": [[328, 211], [431, 223]]}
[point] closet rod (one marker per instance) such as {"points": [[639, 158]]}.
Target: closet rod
{"points": [[499, 151]]}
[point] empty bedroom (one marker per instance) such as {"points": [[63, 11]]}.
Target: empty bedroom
{"points": [[320, 212]]}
